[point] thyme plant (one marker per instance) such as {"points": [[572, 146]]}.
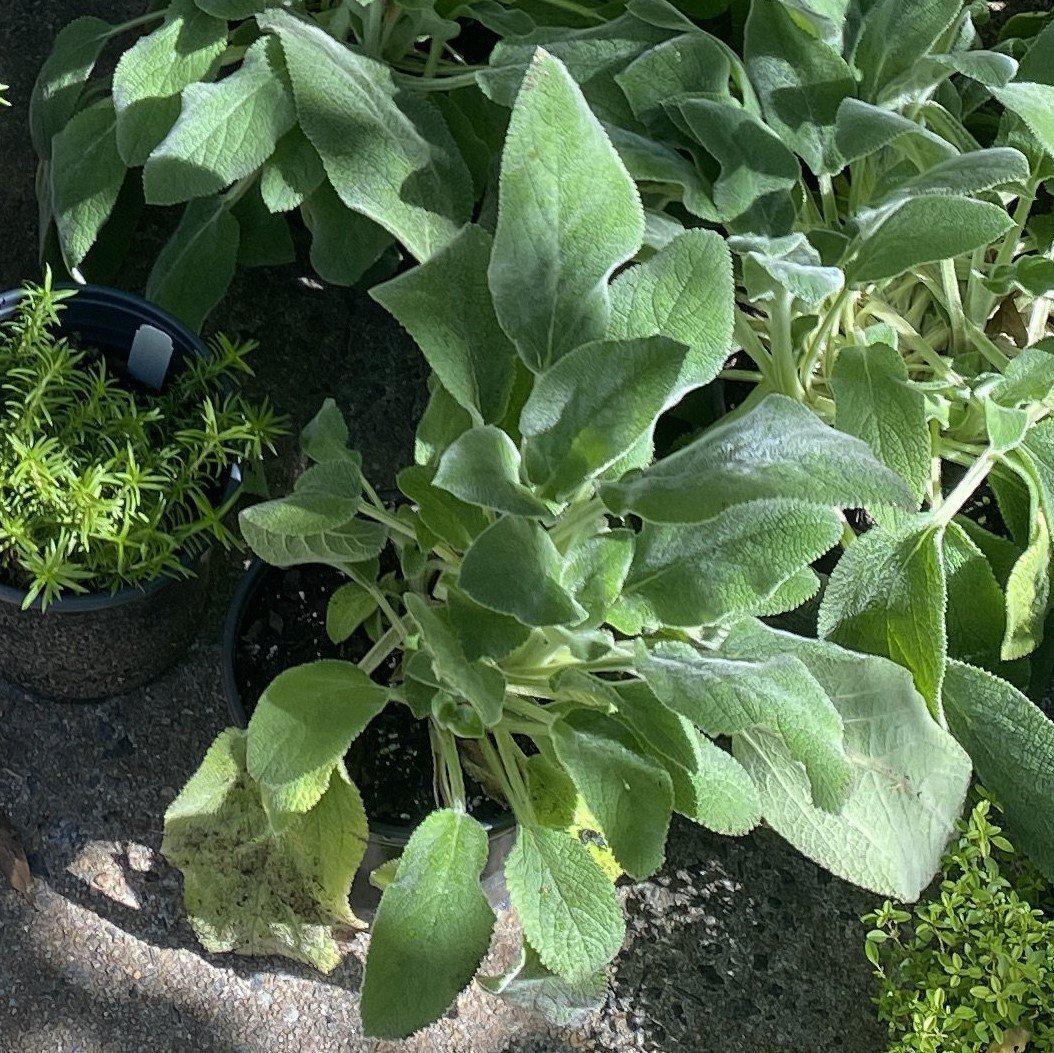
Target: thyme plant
{"points": [[103, 484]]}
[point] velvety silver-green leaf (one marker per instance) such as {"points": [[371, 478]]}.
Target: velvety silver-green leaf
{"points": [[566, 904], [772, 266], [628, 793], [347, 609], [480, 684], [344, 244], [292, 173], [592, 406], [723, 696], [86, 179], [863, 129], [1011, 743], [925, 229], [703, 573], [1034, 104], [800, 81], [1028, 378], [482, 467], [303, 725], [195, 268], [448, 517], [250, 888], [387, 153], [709, 785], [445, 305], [887, 596], [568, 215], [529, 985], [233, 9], [595, 570], [684, 292], [225, 131], [990, 68], [976, 615], [60, 84], [265, 239], [514, 568], [911, 776], [777, 449], [432, 928], [875, 401], [967, 174], [154, 70], [483, 633]]}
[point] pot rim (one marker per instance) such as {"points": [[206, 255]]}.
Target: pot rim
{"points": [[84, 603], [380, 832]]}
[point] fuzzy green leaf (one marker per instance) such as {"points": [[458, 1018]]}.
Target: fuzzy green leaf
{"points": [[568, 215], [347, 609], [778, 449], [388, 154], [1011, 743], [303, 725], [875, 401], [566, 904], [233, 9], [344, 244], [790, 263], [684, 292], [153, 72], [432, 929], [445, 515], [779, 695], [595, 570], [483, 633], [482, 467], [887, 596], [976, 616], [701, 574], [911, 776], [446, 307], [628, 793], [292, 173], [254, 890], [514, 568], [86, 179], [1034, 104], [60, 84], [225, 131], [194, 270], [593, 406]]}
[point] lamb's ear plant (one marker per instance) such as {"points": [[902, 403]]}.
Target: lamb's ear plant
{"points": [[598, 670], [242, 111], [882, 180]]}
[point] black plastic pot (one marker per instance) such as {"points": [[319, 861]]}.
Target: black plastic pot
{"points": [[87, 647], [386, 840]]}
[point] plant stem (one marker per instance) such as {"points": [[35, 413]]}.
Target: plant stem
{"points": [[953, 304], [135, 23], [828, 201], [388, 643], [819, 341], [385, 517], [964, 489], [785, 370]]}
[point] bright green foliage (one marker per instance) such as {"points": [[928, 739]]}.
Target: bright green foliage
{"points": [[972, 969], [102, 485]]}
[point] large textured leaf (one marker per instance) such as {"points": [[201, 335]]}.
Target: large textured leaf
{"points": [[593, 406], [86, 179], [875, 401], [388, 153], [701, 574], [595, 570], [225, 131], [514, 568], [344, 244], [482, 467], [439, 511], [772, 266], [1034, 104], [779, 696], [800, 81], [922, 230], [152, 73], [249, 888], [887, 596], [568, 215], [60, 83], [566, 904], [628, 793], [445, 305], [303, 725], [976, 615], [684, 292], [432, 928], [194, 270], [911, 776], [709, 785], [967, 174], [863, 129], [481, 685], [778, 449], [1011, 743], [292, 173]]}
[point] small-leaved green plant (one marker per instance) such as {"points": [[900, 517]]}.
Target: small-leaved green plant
{"points": [[103, 484], [587, 646], [971, 970]]}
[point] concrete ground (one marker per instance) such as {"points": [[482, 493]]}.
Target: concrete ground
{"points": [[736, 946]]}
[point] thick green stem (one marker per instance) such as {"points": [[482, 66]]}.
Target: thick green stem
{"points": [[823, 334], [784, 363], [373, 658]]}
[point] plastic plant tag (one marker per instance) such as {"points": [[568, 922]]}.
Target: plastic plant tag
{"points": [[150, 355]]}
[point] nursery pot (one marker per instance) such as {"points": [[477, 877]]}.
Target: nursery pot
{"points": [[91, 646], [386, 840]]}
